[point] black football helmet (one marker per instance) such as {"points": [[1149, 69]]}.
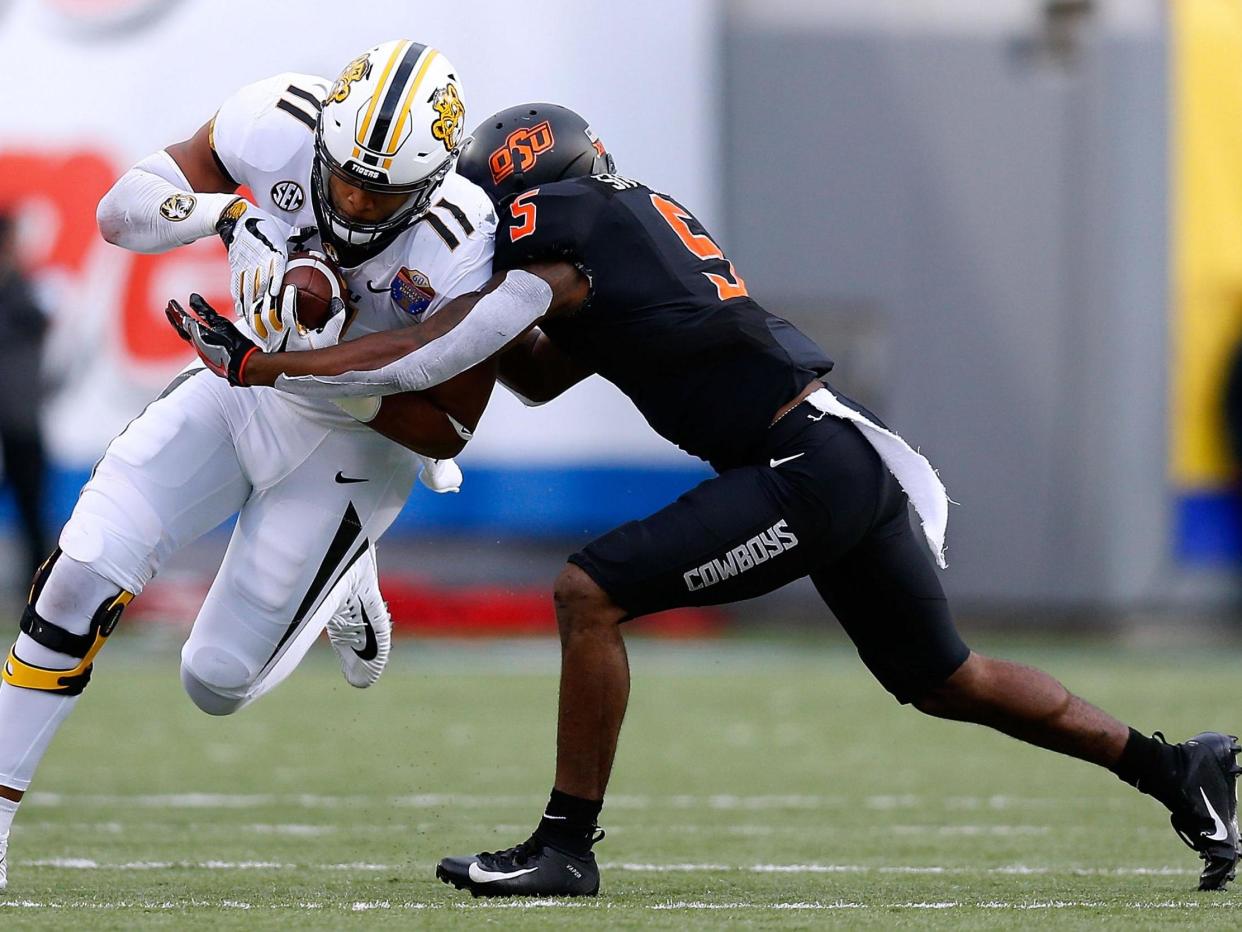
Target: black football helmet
{"points": [[529, 145]]}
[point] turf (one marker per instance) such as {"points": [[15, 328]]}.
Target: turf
{"points": [[757, 786]]}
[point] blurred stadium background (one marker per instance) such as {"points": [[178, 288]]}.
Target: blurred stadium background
{"points": [[1016, 225]]}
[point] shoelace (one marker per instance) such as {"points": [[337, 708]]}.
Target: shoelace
{"points": [[349, 630], [519, 854], [522, 853]]}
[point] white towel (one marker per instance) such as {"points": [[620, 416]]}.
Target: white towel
{"points": [[440, 475], [910, 468]]}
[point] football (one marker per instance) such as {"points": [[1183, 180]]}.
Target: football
{"points": [[318, 280]]}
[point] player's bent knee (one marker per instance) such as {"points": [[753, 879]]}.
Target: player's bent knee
{"points": [[206, 698], [63, 589], [216, 680], [580, 602], [957, 696]]}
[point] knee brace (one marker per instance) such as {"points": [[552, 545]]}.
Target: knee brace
{"points": [[84, 647]]}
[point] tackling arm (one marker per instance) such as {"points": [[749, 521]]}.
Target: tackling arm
{"points": [[437, 423], [535, 370], [467, 331]]}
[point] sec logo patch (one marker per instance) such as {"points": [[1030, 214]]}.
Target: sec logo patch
{"points": [[287, 195], [412, 292]]}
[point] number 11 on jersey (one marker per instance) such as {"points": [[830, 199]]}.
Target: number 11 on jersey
{"points": [[703, 246]]}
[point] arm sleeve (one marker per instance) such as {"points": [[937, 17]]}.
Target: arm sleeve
{"points": [[152, 209], [498, 318]]}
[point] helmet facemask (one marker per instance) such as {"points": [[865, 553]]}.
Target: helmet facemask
{"points": [[348, 233], [390, 126]]}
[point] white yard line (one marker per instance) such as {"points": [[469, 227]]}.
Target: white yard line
{"points": [[90, 864], [86, 864], [673, 906], [310, 830], [1011, 869], [717, 802]]}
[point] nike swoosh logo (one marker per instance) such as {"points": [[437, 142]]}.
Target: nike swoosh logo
{"points": [[479, 875], [775, 463], [371, 288], [1221, 832], [253, 226], [371, 648], [342, 478], [464, 432]]}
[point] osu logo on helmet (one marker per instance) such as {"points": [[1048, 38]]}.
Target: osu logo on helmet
{"points": [[521, 149]]}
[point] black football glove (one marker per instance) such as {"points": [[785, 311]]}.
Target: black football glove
{"points": [[219, 344]]}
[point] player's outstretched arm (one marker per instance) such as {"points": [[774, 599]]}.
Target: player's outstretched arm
{"points": [[435, 423], [465, 332]]}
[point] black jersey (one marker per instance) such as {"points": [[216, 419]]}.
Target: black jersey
{"points": [[669, 320]]}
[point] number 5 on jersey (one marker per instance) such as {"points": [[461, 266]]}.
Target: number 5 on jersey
{"points": [[523, 211], [701, 245]]}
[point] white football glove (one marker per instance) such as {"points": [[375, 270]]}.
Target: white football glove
{"points": [[257, 259], [295, 337]]}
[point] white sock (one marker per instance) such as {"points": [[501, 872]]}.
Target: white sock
{"points": [[29, 718], [8, 809]]}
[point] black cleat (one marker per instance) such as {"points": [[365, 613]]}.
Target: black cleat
{"points": [[1207, 818], [529, 869]]}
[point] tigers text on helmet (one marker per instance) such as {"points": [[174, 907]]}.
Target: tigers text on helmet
{"points": [[530, 145], [392, 124]]}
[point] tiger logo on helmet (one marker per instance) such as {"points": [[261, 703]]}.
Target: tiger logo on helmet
{"points": [[356, 70], [452, 113]]}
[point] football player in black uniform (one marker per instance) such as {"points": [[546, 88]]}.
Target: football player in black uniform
{"points": [[597, 273]]}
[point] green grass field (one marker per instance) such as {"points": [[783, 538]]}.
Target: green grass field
{"points": [[757, 785]]}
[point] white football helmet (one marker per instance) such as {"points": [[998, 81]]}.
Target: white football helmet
{"points": [[392, 123]]}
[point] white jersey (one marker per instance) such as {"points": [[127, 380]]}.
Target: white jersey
{"points": [[312, 488], [264, 136]]}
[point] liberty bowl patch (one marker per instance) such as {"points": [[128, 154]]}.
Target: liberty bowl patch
{"points": [[411, 291]]}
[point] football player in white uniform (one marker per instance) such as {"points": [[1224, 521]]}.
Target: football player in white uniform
{"points": [[361, 169]]}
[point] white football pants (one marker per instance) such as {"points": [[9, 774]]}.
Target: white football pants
{"points": [[309, 496]]}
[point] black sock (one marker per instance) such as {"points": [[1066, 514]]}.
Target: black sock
{"points": [[569, 822], [1150, 766]]}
